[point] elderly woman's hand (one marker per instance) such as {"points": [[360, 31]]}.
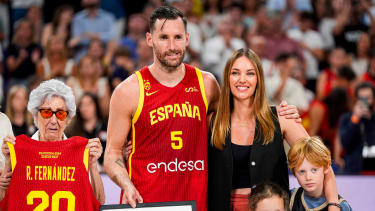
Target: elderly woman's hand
{"points": [[5, 178], [95, 149], [4, 147]]}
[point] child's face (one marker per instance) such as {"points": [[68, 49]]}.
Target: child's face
{"points": [[310, 177], [275, 203]]}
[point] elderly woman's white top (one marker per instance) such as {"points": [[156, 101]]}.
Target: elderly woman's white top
{"points": [[36, 136], [5, 130]]}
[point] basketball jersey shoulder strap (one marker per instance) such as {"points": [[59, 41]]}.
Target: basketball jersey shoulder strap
{"points": [[201, 86]]}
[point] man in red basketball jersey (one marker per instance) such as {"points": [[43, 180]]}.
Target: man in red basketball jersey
{"points": [[164, 108]]}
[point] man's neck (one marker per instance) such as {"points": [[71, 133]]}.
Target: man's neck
{"points": [[167, 76]]}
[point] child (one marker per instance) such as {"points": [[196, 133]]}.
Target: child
{"points": [[268, 197], [309, 160]]}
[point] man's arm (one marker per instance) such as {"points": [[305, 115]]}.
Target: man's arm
{"points": [[212, 94], [119, 124]]}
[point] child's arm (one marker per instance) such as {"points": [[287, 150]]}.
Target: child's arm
{"points": [[330, 189]]}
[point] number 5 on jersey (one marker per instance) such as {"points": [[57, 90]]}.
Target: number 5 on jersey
{"points": [[176, 140]]}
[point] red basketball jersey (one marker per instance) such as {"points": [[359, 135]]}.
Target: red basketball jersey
{"points": [[49, 175], [169, 136]]}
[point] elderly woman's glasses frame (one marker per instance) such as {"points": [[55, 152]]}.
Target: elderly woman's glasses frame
{"points": [[47, 113]]}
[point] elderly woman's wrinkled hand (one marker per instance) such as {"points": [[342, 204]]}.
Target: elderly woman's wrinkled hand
{"points": [[95, 149], [5, 178], [4, 146]]}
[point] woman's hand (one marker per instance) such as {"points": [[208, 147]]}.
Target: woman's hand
{"points": [[95, 150], [5, 178], [4, 147]]}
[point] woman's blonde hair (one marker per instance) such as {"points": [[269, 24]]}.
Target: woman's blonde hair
{"points": [[311, 148], [263, 113], [9, 111]]}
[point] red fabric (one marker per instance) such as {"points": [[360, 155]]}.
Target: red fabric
{"points": [[39, 156], [239, 202], [331, 76], [326, 132], [367, 77], [159, 172]]}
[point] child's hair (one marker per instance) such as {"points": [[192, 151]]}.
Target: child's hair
{"points": [[311, 148], [265, 191], [122, 52]]}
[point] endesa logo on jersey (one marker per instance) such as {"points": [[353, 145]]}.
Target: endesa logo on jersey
{"points": [[176, 166]]}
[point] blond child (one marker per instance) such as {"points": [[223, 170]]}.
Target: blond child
{"points": [[309, 161]]}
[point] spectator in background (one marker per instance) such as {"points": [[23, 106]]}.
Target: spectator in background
{"points": [[88, 122], [136, 30], [249, 13], [257, 44], [336, 59], [22, 55], [276, 39], [328, 11], [361, 57], [88, 79], [235, 13], [91, 23], [194, 49], [369, 75], [16, 110], [311, 43], [34, 14], [357, 128], [323, 117], [145, 55], [211, 18], [349, 26], [281, 86], [123, 66], [218, 49], [117, 8], [60, 25], [55, 63]]}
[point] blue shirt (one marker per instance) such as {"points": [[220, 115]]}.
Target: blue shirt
{"points": [[316, 202], [102, 24]]}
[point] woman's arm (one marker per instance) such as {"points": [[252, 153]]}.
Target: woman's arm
{"points": [[294, 132], [96, 181], [291, 130]]}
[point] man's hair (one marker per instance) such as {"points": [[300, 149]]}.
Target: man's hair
{"points": [[364, 85], [166, 12], [311, 148], [265, 191]]}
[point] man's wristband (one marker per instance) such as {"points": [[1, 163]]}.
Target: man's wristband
{"points": [[354, 119], [334, 204]]}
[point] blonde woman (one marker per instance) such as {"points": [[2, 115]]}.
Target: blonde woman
{"points": [[16, 110], [247, 138]]}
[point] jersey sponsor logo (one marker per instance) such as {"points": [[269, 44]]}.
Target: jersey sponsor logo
{"points": [[151, 93], [191, 89], [51, 173], [171, 111], [176, 166]]}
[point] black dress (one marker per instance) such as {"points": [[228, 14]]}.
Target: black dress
{"points": [[268, 163]]}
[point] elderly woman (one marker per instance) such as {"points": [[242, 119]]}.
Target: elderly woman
{"points": [[52, 105]]}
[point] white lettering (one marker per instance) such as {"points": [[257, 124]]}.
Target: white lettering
{"points": [[153, 168], [175, 166]]}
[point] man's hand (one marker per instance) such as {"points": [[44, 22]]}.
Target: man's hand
{"points": [[95, 149], [131, 196], [361, 110], [289, 111]]}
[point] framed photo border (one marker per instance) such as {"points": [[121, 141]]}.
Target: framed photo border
{"points": [[152, 204]]}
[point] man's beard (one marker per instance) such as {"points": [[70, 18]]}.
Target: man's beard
{"points": [[167, 64]]}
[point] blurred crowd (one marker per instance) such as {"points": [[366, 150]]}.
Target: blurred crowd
{"points": [[317, 54]]}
